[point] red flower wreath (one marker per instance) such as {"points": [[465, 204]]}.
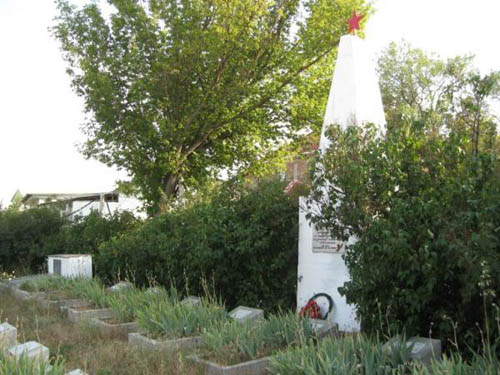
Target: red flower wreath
{"points": [[311, 310]]}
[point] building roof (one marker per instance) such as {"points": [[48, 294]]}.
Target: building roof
{"points": [[111, 196]]}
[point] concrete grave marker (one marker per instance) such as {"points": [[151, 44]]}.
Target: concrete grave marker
{"points": [[322, 328], [255, 367], [8, 336], [31, 349], [122, 285], [422, 349], [76, 372], [191, 300], [242, 313]]}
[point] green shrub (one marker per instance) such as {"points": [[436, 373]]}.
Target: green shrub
{"points": [[244, 240], [23, 235], [427, 215]]}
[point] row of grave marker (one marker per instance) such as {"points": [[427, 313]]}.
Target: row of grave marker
{"points": [[31, 350], [421, 349]]}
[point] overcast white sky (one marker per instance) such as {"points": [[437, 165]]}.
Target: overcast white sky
{"points": [[40, 116]]}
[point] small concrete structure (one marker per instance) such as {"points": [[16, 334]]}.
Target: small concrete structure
{"points": [[8, 336], [33, 350], [79, 314], [70, 265], [255, 367], [243, 313], [191, 300], [422, 349], [143, 342], [322, 328]]}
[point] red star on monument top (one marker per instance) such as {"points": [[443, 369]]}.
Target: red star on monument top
{"points": [[354, 22]]}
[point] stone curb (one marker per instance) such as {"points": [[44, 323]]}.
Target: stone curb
{"points": [[114, 329], [77, 316], [139, 340], [254, 367]]}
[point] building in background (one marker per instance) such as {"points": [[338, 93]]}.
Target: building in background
{"points": [[73, 205]]}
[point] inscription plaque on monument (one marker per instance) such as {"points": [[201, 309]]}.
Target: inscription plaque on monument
{"points": [[322, 242]]}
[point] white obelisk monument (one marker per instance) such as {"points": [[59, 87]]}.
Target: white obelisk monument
{"points": [[354, 99]]}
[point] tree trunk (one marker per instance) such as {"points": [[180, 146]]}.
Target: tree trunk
{"points": [[170, 189]]}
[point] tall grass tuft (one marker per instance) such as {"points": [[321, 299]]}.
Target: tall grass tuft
{"points": [[352, 354], [127, 304], [24, 366], [90, 289], [46, 283], [172, 319], [357, 354], [229, 342]]}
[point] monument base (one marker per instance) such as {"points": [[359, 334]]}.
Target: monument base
{"points": [[321, 269]]}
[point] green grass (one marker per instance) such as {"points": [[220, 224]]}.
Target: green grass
{"points": [[127, 304], [357, 354], [23, 366], [174, 319], [229, 342], [46, 283]]}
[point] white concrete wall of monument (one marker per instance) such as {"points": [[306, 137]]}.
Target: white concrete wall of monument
{"points": [[354, 99], [323, 273]]}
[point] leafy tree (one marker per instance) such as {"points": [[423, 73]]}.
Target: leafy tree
{"points": [[16, 201], [177, 90], [442, 94]]}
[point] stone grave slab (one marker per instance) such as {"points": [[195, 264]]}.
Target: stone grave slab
{"points": [[79, 314], [242, 313], [422, 349], [138, 340], [8, 336], [191, 300], [76, 372], [120, 286], [254, 367], [322, 328], [31, 349], [108, 328]]}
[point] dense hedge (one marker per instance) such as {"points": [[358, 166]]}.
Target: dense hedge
{"points": [[23, 235], [243, 241], [85, 234]]}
